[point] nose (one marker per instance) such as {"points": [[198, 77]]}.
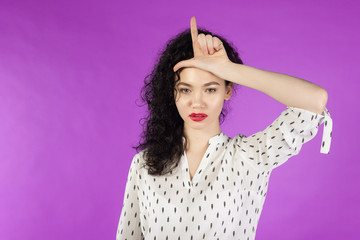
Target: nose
{"points": [[198, 100]]}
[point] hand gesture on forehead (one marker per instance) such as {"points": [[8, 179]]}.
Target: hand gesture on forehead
{"points": [[209, 52]]}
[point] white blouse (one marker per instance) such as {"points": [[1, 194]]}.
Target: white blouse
{"points": [[224, 199]]}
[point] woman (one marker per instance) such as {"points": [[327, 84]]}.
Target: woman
{"points": [[191, 181]]}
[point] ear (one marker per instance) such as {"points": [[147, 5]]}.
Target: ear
{"points": [[228, 91]]}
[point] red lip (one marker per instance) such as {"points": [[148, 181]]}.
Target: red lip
{"points": [[198, 114], [197, 117]]}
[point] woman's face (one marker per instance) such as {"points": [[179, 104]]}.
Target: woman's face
{"points": [[200, 92]]}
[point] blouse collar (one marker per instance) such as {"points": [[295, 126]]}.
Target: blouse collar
{"points": [[219, 138]]}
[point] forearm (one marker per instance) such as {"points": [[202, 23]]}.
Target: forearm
{"points": [[286, 89]]}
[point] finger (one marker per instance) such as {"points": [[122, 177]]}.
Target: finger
{"points": [[217, 43], [184, 63], [194, 37], [209, 42], [202, 41]]}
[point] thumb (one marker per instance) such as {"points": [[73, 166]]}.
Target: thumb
{"points": [[184, 63]]}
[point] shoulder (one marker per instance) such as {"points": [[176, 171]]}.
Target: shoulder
{"points": [[239, 138], [138, 161]]}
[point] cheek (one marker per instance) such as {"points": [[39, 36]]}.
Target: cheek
{"points": [[180, 105], [218, 105]]}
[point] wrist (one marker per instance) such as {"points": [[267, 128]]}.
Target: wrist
{"points": [[222, 68], [226, 70]]}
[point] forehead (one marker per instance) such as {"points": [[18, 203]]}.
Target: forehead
{"points": [[196, 76]]}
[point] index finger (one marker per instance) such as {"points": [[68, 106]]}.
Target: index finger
{"points": [[194, 37]]}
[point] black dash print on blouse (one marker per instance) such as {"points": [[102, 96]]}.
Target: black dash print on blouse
{"points": [[226, 196]]}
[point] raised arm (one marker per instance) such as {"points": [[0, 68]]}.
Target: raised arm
{"points": [[289, 90]]}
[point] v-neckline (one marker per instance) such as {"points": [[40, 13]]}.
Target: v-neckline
{"points": [[194, 163], [194, 181]]}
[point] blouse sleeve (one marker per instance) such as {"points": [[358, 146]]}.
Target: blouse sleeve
{"points": [[284, 138], [129, 223]]}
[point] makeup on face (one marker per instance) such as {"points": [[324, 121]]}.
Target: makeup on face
{"points": [[199, 98], [197, 117]]}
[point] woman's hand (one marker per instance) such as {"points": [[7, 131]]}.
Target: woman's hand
{"points": [[209, 52]]}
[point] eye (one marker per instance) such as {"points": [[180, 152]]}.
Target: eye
{"points": [[211, 89], [184, 90]]}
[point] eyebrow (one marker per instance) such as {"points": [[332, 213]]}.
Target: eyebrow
{"points": [[205, 85]]}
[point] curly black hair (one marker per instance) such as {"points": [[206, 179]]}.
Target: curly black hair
{"points": [[163, 129]]}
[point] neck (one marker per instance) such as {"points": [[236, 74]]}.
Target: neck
{"points": [[198, 139]]}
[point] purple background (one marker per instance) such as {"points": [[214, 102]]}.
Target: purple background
{"points": [[70, 78]]}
